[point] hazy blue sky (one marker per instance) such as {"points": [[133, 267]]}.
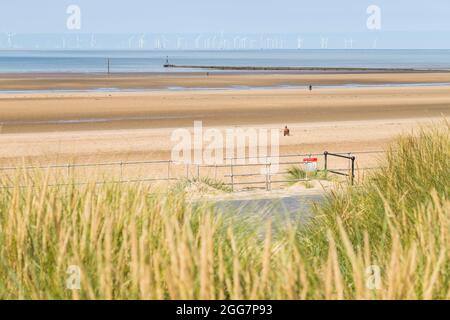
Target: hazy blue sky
{"points": [[229, 16]]}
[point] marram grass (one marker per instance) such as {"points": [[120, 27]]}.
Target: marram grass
{"points": [[386, 238]]}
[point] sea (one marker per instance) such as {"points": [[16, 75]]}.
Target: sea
{"points": [[95, 61]]}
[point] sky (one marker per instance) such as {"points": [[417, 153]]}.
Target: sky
{"points": [[402, 20], [268, 16]]}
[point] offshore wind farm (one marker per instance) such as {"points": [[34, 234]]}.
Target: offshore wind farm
{"points": [[224, 150]]}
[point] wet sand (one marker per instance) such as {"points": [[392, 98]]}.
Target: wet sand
{"points": [[65, 81], [81, 127], [123, 111]]}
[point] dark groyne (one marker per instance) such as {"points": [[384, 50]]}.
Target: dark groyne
{"points": [[320, 69]]}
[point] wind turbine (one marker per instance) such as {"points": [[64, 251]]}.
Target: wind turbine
{"points": [[130, 40], [164, 41], [197, 42], [93, 42], [10, 39], [142, 42], [349, 44]]}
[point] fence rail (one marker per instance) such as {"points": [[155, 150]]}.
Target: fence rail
{"points": [[236, 170]]}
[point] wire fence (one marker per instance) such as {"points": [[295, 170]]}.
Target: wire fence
{"points": [[237, 173]]}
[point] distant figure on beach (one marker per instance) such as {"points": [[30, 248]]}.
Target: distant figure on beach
{"points": [[310, 87], [287, 132], [167, 64]]}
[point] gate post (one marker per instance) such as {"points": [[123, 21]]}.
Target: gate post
{"points": [[325, 154], [353, 169]]}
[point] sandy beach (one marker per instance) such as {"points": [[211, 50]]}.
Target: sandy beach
{"points": [[87, 126], [80, 81]]}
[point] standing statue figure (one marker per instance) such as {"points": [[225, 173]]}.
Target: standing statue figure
{"points": [[167, 64]]}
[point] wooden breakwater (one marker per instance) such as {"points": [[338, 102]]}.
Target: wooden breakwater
{"points": [[323, 69]]}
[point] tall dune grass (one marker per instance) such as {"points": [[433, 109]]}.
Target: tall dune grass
{"points": [[131, 242]]}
